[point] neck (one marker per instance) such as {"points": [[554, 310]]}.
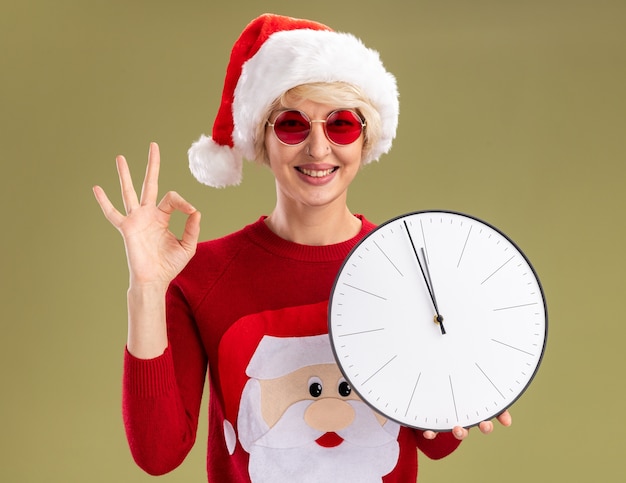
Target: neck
{"points": [[314, 225]]}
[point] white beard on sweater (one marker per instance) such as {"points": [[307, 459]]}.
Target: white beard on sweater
{"points": [[288, 451]]}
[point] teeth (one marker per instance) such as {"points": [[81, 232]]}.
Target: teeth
{"points": [[316, 173]]}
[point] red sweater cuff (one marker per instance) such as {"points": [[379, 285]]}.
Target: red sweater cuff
{"points": [[149, 377], [444, 444]]}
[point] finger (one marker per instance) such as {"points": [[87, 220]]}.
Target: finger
{"points": [[486, 427], [505, 419], [459, 432], [172, 201], [110, 213], [150, 186], [192, 232], [126, 183], [430, 434]]}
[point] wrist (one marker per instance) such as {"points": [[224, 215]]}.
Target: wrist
{"points": [[147, 329], [138, 287]]}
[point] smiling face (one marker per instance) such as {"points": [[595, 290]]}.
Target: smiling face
{"points": [[315, 172]]}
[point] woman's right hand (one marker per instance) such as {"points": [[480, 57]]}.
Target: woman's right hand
{"points": [[155, 255]]}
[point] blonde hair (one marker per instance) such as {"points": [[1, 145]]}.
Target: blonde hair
{"points": [[339, 94]]}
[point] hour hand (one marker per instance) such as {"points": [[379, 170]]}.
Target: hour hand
{"points": [[438, 317]]}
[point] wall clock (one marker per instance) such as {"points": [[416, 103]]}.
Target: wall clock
{"points": [[438, 319]]}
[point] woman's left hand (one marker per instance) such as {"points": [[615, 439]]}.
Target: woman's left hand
{"points": [[485, 427]]}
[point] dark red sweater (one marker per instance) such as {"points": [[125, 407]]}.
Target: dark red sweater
{"points": [[213, 309]]}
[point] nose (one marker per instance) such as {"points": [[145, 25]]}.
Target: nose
{"points": [[329, 415], [318, 145]]}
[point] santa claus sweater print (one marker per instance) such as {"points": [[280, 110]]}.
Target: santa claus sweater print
{"points": [[249, 314]]}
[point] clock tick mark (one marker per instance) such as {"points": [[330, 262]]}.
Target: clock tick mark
{"points": [[464, 246], [513, 347], [453, 398], [380, 369], [364, 291], [489, 379], [413, 394], [388, 259], [515, 306], [498, 269], [350, 334]]}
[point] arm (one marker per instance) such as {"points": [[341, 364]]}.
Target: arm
{"points": [[160, 411], [155, 256], [162, 396]]}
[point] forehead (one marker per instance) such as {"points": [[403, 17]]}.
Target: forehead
{"points": [[327, 97], [311, 108]]}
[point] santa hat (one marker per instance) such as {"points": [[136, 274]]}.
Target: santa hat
{"points": [[272, 55], [278, 356]]}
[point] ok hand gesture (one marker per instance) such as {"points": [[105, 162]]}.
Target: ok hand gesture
{"points": [[155, 255]]}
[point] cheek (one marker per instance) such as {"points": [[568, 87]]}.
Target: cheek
{"points": [[354, 155], [277, 395], [277, 154]]}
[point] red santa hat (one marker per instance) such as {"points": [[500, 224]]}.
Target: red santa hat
{"points": [[272, 55]]}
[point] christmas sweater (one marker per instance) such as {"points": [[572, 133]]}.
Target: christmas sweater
{"points": [[248, 314]]}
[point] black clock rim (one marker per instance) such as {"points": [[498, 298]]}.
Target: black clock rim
{"points": [[434, 211]]}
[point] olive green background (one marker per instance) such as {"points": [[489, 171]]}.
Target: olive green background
{"points": [[513, 111]]}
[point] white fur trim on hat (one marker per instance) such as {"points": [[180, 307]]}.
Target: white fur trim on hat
{"points": [[295, 57], [278, 356]]}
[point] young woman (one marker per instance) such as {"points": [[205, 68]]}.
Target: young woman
{"points": [[248, 311]]}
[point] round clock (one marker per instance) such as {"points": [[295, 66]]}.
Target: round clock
{"points": [[437, 319]]}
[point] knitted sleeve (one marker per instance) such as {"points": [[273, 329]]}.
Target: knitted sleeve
{"points": [[162, 396]]}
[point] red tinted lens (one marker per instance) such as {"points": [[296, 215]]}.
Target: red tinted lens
{"points": [[343, 127], [292, 127]]}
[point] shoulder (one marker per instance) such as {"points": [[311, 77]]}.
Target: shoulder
{"points": [[211, 260]]}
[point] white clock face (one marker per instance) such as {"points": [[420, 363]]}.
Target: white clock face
{"points": [[388, 343]]}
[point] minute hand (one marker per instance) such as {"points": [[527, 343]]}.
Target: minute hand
{"points": [[427, 279]]}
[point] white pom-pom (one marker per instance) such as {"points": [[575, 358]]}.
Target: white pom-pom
{"points": [[213, 164]]}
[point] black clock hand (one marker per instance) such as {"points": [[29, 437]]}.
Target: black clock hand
{"points": [[438, 316], [427, 280]]}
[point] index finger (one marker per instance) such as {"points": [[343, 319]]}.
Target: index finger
{"points": [[150, 187], [110, 213]]}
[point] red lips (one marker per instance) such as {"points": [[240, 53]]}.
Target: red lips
{"points": [[329, 440]]}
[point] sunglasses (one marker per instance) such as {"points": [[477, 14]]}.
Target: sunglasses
{"points": [[342, 127]]}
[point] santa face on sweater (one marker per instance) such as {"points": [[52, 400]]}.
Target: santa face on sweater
{"points": [[305, 423]]}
